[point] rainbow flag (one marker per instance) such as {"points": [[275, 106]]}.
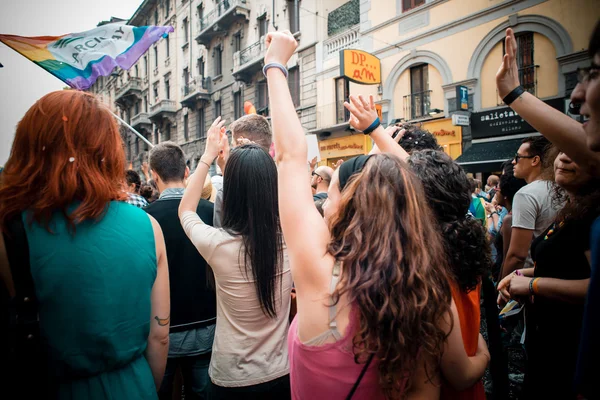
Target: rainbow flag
{"points": [[78, 59]]}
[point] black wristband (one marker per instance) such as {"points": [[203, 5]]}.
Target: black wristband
{"points": [[373, 126], [513, 95]]}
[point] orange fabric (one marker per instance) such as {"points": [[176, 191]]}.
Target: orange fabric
{"points": [[469, 313]]}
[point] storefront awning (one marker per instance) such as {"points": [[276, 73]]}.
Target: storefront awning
{"points": [[488, 156]]}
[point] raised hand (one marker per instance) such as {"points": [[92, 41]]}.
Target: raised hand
{"points": [[280, 47], [503, 289], [224, 151], [338, 163], [213, 140], [507, 77], [362, 112], [313, 163]]}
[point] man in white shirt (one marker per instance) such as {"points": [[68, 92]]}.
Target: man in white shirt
{"points": [[532, 210]]}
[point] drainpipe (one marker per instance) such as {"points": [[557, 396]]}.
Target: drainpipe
{"points": [[273, 16]]}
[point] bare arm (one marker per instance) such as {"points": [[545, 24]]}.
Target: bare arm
{"points": [[564, 132], [305, 231], [363, 114], [506, 230], [518, 250], [158, 340], [568, 291], [460, 370]]}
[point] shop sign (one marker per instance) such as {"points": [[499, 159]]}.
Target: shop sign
{"points": [[343, 146], [460, 120], [360, 67], [504, 121], [462, 98]]}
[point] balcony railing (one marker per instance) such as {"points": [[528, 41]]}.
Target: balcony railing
{"points": [[332, 114], [132, 85], [247, 61], [341, 41], [195, 85], [163, 106], [225, 11], [417, 105], [140, 119]]}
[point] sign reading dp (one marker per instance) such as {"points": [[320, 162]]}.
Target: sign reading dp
{"points": [[360, 67]]}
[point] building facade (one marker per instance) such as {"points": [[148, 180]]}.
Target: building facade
{"points": [[211, 65], [429, 47]]}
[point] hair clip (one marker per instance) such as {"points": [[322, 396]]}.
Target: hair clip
{"points": [[64, 118], [71, 159]]}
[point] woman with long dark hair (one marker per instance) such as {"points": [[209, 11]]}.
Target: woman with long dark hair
{"points": [[373, 300], [252, 274], [99, 265], [556, 287], [467, 250]]}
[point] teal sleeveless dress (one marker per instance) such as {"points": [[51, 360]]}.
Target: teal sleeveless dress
{"points": [[94, 291]]}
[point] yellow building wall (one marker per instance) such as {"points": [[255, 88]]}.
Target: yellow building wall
{"points": [[435, 85], [544, 55], [489, 94], [403, 88]]}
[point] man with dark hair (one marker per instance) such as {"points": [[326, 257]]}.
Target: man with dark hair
{"points": [[133, 189], [533, 210], [319, 180], [193, 302]]}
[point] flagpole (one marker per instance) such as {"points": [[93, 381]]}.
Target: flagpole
{"points": [[133, 130]]}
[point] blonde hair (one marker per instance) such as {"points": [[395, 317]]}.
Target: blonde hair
{"points": [[209, 192]]}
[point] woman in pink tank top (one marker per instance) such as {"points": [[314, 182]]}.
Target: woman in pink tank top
{"points": [[371, 279]]}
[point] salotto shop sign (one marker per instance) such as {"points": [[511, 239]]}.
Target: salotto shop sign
{"points": [[344, 146], [360, 67], [444, 131]]}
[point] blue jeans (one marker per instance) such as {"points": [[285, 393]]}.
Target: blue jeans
{"points": [[196, 381]]}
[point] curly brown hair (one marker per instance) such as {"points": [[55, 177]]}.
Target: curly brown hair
{"points": [[394, 270]]}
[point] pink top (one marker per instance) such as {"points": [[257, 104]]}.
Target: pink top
{"points": [[329, 371]]}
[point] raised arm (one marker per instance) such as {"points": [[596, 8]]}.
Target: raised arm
{"points": [[363, 114], [193, 191], [564, 132], [304, 230]]}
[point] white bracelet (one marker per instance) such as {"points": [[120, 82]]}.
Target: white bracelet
{"points": [[275, 65]]}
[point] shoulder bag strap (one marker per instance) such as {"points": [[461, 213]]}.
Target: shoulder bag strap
{"points": [[362, 373]]}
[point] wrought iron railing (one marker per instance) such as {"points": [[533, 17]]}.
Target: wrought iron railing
{"points": [[220, 9], [253, 52], [341, 41], [197, 84], [417, 105]]}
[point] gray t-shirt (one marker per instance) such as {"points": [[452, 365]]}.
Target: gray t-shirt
{"points": [[533, 209]]}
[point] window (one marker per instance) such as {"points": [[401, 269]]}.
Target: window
{"points": [[237, 105], [156, 17], [155, 90], [294, 85], [155, 57], [201, 67], [218, 60], [200, 124], [342, 92], [167, 8], [217, 109], [146, 103], [262, 26], [237, 42], [146, 66], [136, 110], [167, 89], [186, 30], [185, 128], [137, 145], [137, 71], [527, 68], [201, 15], [167, 46], [293, 10], [263, 97], [186, 80], [419, 89], [410, 4], [166, 133]]}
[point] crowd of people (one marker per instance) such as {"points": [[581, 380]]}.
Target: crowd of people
{"points": [[282, 279]]}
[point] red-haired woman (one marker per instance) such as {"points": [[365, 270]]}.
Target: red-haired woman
{"points": [[98, 264]]}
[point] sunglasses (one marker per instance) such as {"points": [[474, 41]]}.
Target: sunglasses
{"points": [[518, 157], [314, 173]]}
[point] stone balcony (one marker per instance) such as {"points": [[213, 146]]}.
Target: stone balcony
{"points": [[163, 109], [218, 21], [141, 121], [345, 40], [130, 92], [196, 90], [249, 60]]}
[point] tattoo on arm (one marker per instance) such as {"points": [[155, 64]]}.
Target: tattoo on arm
{"points": [[163, 321]]}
